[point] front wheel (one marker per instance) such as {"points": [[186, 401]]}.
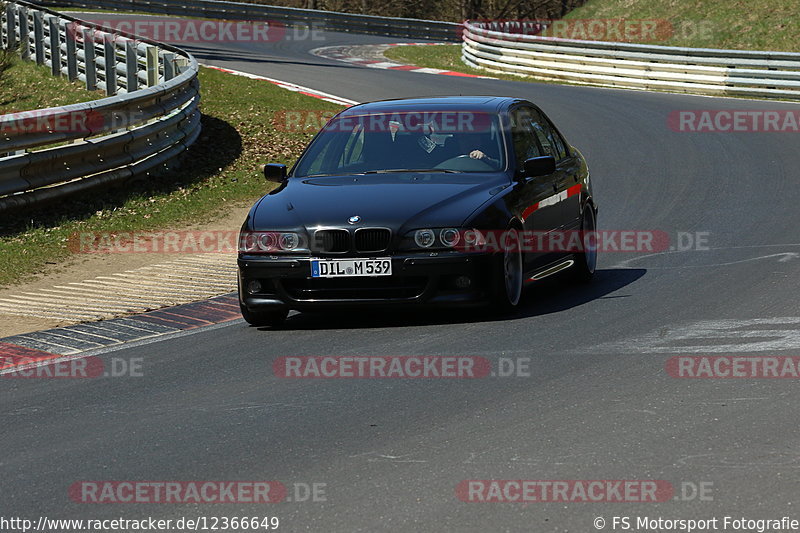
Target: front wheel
{"points": [[508, 274], [586, 261], [264, 318]]}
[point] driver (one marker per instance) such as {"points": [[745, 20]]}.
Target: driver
{"points": [[466, 146]]}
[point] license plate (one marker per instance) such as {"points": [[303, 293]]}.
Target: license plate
{"points": [[348, 268]]}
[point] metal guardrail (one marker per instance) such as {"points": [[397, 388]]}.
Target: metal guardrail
{"points": [[637, 66], [149, 117], [323, 20]]}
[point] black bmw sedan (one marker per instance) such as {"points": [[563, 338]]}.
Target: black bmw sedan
{"points": [[447, 201]]}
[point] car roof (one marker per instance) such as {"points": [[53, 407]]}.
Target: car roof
{"points": [[487, 104]]}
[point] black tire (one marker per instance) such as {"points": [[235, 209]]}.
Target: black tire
{"points": [[586, 262], [508, 276], [264, 318]]}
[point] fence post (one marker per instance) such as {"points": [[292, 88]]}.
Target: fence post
{"points": [[169, 66], [11, 26], [131, 66], [90, 65], [110, 67], [70, 28], [38, 37], [152, 65], [24, 34], [55, 46]]}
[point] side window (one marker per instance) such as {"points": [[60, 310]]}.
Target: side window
{"points": [[548, 138], [558, 142], [523, 137], [545, 140]]}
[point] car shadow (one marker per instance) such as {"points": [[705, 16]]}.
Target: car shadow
{"points": [[551, 295]]}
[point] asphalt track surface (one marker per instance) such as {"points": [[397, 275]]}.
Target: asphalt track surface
{"points": [[598, 403]]}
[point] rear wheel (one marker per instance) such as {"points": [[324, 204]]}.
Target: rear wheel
{"points": [[586, 261], [264, 318], [508, 274]]}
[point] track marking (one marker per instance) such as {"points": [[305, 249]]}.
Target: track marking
{"points": [[374, 58], [785, 257], [716, 336], [76, 339], [169, 283]]}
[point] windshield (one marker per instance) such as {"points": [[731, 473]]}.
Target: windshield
{"points": [[436, 141]]}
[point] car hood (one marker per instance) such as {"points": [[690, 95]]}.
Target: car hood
{"points": [[397, 201]]}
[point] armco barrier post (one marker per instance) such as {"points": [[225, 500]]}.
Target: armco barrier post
{"points": [[110, 64], [151, 59], [55, 46], [11, 27], [24, 34], [89, 59], [38, 37], [131, 66], [72, 53], [169, 66]]}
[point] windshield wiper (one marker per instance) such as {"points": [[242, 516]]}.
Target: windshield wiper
{"points": [[421, 170], [333, 174], [386, 171]]}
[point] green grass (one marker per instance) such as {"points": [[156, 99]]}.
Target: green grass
{"points": [[445, 56], [241, 131], [24, 85], [737, 24]]}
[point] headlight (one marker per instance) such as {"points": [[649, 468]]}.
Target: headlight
{"points": [[449, 237], [474, 237], [260, 242], [247, 242], [266, 242], [439, 238], [424, 238], [289, 241]]}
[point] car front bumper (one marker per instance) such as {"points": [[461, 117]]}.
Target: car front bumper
{"points": [[432, 279]]}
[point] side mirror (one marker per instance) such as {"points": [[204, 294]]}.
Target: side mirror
{"points": [[275, 172], [539, 166]]}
